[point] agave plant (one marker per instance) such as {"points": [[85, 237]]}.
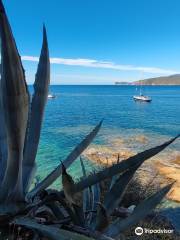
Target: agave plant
{"points": [[42, 211]]}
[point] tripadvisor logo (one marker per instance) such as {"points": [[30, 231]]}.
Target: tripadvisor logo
{"points": [[139, 231]]}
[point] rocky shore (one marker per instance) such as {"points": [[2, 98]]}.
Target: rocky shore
{"points": [[165, 167]]}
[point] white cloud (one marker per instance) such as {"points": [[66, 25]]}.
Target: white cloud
{"points": [[102, 64]]}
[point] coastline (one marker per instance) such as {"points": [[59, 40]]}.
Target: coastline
{"points": [[165, 167], [156, 172]]}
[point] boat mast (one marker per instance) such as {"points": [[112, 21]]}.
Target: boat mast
{"points": [[140, 82]]}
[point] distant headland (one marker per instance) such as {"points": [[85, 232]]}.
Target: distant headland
{"points": [[169, 80]]}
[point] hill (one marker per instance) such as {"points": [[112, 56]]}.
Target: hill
{"points": [[169, 80]]}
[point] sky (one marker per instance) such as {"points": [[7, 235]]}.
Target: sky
{"points": [[98, 41]]}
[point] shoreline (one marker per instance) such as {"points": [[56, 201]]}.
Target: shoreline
{"points": [[166, 167]]}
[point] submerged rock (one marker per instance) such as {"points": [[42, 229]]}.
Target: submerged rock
{"points": [[106, 156], [141, 139]]}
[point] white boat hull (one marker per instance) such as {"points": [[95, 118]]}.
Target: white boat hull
{"points": [[50, 96], [142, 98]]}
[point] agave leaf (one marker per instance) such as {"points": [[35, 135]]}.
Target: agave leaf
{"points": [[114, 196], [50, 232], [87, 202], [102, 219], [114, 178], [55, 208], [78, 212], [121, 167], [15, 100], [10, 209], [140, 212], [86, 192], [83, 167], [36, 236], [96, 194], [67, 162], [73, 211], [39, 99], [45, 212], [3, 140]]}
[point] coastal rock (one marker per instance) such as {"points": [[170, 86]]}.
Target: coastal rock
{"points": [[141, 139], [117, 142], [106, 156], [171, 174], [177, 159], [165, 166]]}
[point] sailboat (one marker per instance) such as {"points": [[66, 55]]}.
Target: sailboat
{"points": [[141, 97]]}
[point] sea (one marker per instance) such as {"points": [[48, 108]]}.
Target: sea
{"points": [[77, 109]]}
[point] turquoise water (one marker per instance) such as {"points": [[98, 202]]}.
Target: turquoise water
{"points": [[77, 109]]}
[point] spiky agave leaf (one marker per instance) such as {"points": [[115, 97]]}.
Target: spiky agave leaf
{"points": [[114, 196], [54, 196], [114, 178], [140, 212], [68, 186], [102, 220], [67, 162], [3, 139], [96, 194], [11, 209], [87, 192], [56, 209], [51, 232], [79, 213], [15, 100], [121, 167], [83, 167], [91, 196], [39, 99]]}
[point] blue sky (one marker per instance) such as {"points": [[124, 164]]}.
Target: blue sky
{"points": [[98, 41]]}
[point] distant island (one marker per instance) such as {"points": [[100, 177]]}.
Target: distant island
{"points": [[169, 80]]}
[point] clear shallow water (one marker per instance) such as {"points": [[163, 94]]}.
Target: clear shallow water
{"points": [[77, 109]]}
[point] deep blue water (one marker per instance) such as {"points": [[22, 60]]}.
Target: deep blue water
{"points": [[77, 109]]}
